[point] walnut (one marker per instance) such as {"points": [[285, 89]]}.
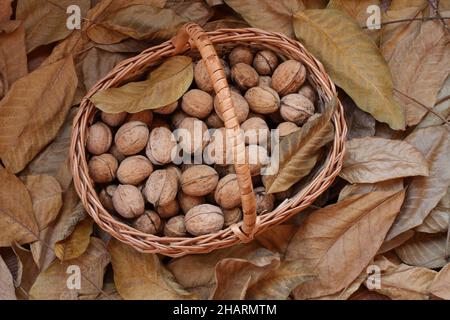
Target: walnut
{"points": [[199, 180], [168, 210], [177, 172], [265, 202], [220, 149], [240, 54], [175, 227], [128, 201], [232, 216], [214, 121], [227, 193], [263, 100], [265, 81], [257, 158], [113, 119], [244, 76], [193, 135], [113, 150], [160, 146], [103, 168], [288, 77], [161, 187], [202, 78], [133, 170], [296, 108], [177, 117], [149, 222], [256, 131], [314, 117], [105, 197], [241, 107], [99, 138], [197, 103], [308, 91], [265, 62], [286, 128], [168, 109], [131, 137], [204, 219], [145, 116], [187, 202]]}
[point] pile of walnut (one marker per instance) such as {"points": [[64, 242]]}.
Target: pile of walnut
{"points": [[131, 161]]}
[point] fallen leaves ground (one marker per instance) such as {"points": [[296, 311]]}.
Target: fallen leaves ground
{"points": [[386, 217]]}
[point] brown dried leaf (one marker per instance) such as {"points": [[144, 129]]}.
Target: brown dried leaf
{"points": [[442, 107], [7, 291], [77, 243], [165, 85], [370, 160], [424, 193], [345, 293], [441, 284], [299, 151], [396, 242], [33, 111], [5, 10], [27, 271], [424, 250], [349, 190], [277, 238], [51, 284], [345, 235], [45, 20], [17, 220], [439, 218], [269, 15], [360, 124], [142, 276], [194, 10], [225, 23], [364, 294]]}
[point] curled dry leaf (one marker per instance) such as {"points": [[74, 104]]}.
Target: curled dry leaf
{"points": [[371, 159], [424, 193], [441, 284], [269, 15], [362, 72], [349, 190], [77, 243], [7, 290], [439, 218], [166, 84], [360, 124], [17, 220], [425, 250], [45, 20], [345, 235], [396, 242], [299, 151], [33, 111], [142, 276], [51, 284], [27, 271]]}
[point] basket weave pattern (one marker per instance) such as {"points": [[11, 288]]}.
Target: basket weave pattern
{"points": [[192, 40]]}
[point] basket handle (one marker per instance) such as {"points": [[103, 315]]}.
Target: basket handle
{"points": [[196, 37]]}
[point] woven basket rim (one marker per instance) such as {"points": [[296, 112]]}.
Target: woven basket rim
{"points": [[176, 247]]}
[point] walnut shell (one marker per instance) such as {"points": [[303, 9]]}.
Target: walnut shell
{"points": [[168, 109], [296, 108], [240, 106], [128, 201], [161, 187], [204, 219], [133, 170], [113, 119], [202, 78], [160, 146], [103, 168], [265, 62], [149, 222], [232, 216], [288, 77], [199, 180], [105, 197], [286, 128], [265, 202], [187, 202], [257, 158], [220, 149], [99, 138], [244, 76], [113, 150], [145, 116], [265, 81], [256, 131], [175, 227], [308, 91], [177, 117], [131, 137], [197, 103], [214, 121], [193, 135], [168, 210], [240, 54], [263, 100], [227, 194]]}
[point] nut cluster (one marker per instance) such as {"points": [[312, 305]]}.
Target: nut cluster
{"points": [[132, 155]]}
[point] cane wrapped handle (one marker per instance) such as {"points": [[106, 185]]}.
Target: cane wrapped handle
{"points": [[194, 35]]}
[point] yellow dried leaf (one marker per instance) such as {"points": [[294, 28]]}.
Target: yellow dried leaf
{"points": [[77, 243]]}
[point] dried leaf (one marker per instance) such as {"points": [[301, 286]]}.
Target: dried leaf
{"points": [[45, 20], [5, 10], [142, 276], [46, 197], [7, 291], [165, 85], [442, 107], [194, 10], [439, 218], [441, 284], [360, 124], [52, 284], [77, 243], [277, 238], [345, 235], [424, 193], [33, 111], [17, 221], [315, 4], [394, 185], [345, 293], [299, 151], [268, 15], [419, 66], [370, 160], [364, 294], [352, 60], [396, 242], [424, 250], [28, 271]]}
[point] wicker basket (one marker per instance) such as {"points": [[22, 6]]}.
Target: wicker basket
{"points": [[191, 40]]}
